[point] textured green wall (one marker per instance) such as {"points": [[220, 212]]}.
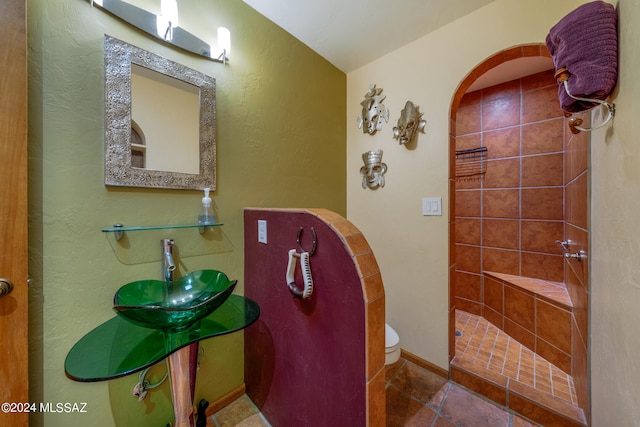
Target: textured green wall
{"points": [[280, 143]]}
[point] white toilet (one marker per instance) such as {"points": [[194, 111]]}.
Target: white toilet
{"points": [[392, 345]]}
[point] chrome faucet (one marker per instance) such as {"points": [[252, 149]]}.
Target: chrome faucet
{"points": [[168, 265]]}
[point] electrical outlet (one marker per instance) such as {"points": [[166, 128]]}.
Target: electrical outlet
{"points": [[262, 231]]}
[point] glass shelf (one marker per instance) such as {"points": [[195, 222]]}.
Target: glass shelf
{"points": [[139, 248], [117, 348], [116, 229]]}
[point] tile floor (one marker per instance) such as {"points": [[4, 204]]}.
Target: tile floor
{"points": [[488, 347], [239, 413], [415, 397], [419, 397]]}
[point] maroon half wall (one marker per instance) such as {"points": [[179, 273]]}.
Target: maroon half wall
{"points": [[317, 361]]}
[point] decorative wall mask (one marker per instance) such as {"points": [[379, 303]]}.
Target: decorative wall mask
{"points": [[373, 111], [373, 170], [409, 123]]}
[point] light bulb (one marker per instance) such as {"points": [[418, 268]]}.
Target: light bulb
{"points": [[224, 40], [169, 11], [168, 19]]}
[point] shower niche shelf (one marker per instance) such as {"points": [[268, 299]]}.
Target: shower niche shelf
{"points": [[138, 244]]}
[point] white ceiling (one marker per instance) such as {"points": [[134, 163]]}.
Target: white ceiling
{"points": [[352, 33]]}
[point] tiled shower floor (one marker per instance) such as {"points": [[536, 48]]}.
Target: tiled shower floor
{"points": [[488, 347], [495, 365]]}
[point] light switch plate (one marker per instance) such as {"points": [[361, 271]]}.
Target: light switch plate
{"points": [[432, 206], [262, 231]]}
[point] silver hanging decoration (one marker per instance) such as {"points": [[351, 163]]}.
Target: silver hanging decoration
{"points": [[373, 170], [409, 124], [373, 111]]}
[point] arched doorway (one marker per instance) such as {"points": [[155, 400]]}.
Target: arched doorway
{"points": [[505, 219]]}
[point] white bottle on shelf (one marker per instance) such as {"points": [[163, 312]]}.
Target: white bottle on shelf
{"points": [[206, 216]]}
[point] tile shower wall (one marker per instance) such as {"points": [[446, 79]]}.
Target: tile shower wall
{"points": [[509, 219], [576, 229]]}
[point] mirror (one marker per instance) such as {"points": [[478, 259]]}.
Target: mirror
{"points": [[160, 121]]}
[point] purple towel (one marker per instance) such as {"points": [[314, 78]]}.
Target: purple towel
{"points": [[585, 42]]}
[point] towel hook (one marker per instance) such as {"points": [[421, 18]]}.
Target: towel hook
{"points": [[314, 243], [574, 123]]}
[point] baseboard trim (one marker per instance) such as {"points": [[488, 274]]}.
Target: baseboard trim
{"points": [[225, 400], [424, 363]]}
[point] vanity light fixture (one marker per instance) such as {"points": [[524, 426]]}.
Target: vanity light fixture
{"points": [[165, 27]]}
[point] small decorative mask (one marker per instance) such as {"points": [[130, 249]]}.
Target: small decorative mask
{"points": [[373, 111], [373, 170], [409, 123]]}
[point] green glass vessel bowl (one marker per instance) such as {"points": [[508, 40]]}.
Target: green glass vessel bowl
{"points": [[173, 305]]}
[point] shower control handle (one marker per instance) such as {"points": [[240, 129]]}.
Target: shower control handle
{"points": [[5, 286], [581, 255]]}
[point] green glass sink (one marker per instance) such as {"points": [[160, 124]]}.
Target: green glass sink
{"points": [[173, 305]]}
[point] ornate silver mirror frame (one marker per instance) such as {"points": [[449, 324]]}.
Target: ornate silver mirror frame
{"points": [[118, 58]]}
